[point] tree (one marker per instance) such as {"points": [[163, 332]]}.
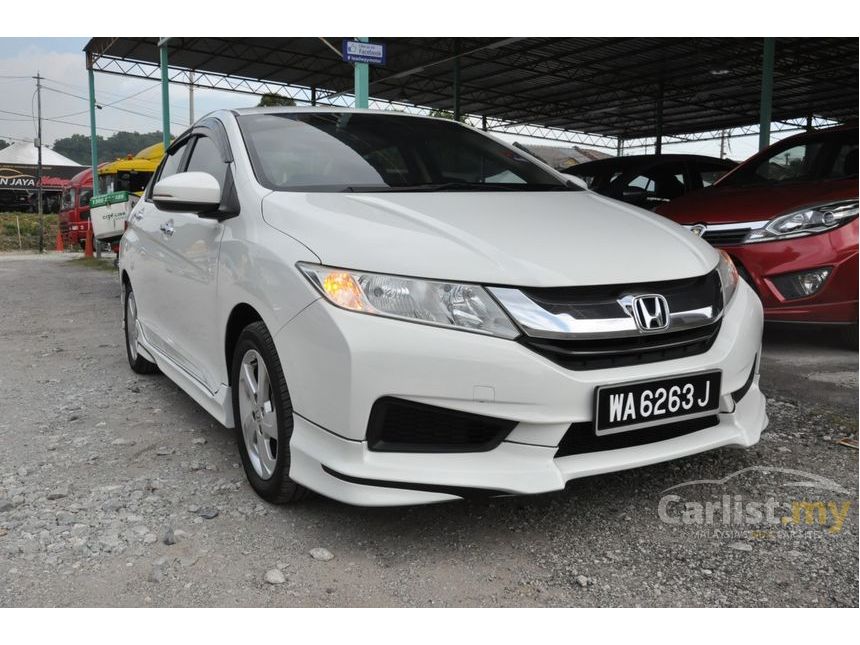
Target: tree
{"points": [[3, 144], [118, 145], [77, 147], [275, 100]]}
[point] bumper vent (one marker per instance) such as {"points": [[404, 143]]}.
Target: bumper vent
{"points": [[397, 425], [580, 438]]}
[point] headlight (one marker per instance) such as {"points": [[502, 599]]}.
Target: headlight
{"points": [[808, 221], [728, 276], [446, 304]]}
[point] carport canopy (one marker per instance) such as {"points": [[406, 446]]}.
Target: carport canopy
{"points": [[623, 88]]}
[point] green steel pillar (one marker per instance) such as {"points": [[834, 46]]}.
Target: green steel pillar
{"points": [[94, 145], [362, 82], [765, 108], [165, 94], [456, 80]]}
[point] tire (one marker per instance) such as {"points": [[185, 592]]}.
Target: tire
{"points": [[137, 362], [263, 416]]}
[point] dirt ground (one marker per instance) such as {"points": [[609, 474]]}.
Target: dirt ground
{"points": [[118, 490]]}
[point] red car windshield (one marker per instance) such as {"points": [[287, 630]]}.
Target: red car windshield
{"points": [[830, 155]]}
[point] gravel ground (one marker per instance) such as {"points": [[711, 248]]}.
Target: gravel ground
{"points": [[118, 490]]}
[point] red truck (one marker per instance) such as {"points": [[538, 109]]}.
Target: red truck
{"points": [[788, 218], [75, 208]]}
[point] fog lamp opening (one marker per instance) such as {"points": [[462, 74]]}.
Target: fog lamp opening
{"points": [[802, 284]]}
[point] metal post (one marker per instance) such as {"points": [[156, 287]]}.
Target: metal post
{"points": [[765, 109], [94, 150], [191, 98], [362, 82], [658, 143], [39, 163], [484, 123], [619, 147], [456, 79], [809, 127], [165, 94], [313, 95], [94, 145]]}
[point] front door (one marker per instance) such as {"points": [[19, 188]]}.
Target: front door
{"points": [[188, 246]]}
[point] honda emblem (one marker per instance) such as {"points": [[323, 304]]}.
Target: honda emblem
{"points": [[651, 312]]}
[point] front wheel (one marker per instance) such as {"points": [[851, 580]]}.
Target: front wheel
{"points": [[137, 362], [263, 416]]}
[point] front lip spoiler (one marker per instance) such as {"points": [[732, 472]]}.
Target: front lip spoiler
{"points": [[464, 492]]}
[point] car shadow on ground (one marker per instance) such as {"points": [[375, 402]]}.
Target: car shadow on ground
{"points": [[792, 337]]}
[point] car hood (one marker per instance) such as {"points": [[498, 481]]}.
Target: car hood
{"points": [[512, 238], [730, 204]]}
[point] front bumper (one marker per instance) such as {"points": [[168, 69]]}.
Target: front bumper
{"points": [[338, 363], [835, 302]]}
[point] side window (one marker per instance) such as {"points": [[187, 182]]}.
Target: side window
{"points": [[794, 163], [170, 164], [653, 186], [68, 199], [710, 172], [206, 157], [845, 163]]}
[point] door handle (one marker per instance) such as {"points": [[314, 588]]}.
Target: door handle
{"points": [[167, 228]]}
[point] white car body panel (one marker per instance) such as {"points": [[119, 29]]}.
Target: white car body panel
{"points": [[490, 237], [337, 362]]}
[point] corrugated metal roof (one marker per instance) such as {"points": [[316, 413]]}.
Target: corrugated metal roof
{"points": [[606, 86]]}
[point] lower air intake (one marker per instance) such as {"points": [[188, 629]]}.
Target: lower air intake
{"points": [[397, 425]]}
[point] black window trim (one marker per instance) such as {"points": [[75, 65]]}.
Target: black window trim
{"points": [[208, 127]]}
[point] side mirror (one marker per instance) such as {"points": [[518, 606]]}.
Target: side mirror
{"points": [[195, 192]]}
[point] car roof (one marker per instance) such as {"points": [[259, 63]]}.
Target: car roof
{"points": [[635, 160], [327, 110]]}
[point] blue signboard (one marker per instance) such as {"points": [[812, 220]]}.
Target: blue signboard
{"points": [[355, 51]]}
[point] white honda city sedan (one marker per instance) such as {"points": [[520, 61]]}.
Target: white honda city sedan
{"points": [[394, 309]]}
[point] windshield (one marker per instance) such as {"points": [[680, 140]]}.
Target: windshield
{"points": [[132, 181], [330, 151], [829, 156]]}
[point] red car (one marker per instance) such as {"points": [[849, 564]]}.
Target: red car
{"points": [[788, 218]]}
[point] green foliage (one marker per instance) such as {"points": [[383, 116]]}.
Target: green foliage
{"points": [[119, 144], [275, 100], [29, 231], [446, 114]]}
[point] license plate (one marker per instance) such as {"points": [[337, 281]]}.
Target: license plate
{"points": [[618, 408]]}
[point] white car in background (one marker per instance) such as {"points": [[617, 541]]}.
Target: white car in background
{"points": [[394, 309]]}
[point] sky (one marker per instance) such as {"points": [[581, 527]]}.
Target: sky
{"points": [[137, 103]]}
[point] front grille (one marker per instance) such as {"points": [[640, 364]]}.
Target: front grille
{"points": [[580, 438], [602, 300], [603, 353], [726, 237], [397, 425]]}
